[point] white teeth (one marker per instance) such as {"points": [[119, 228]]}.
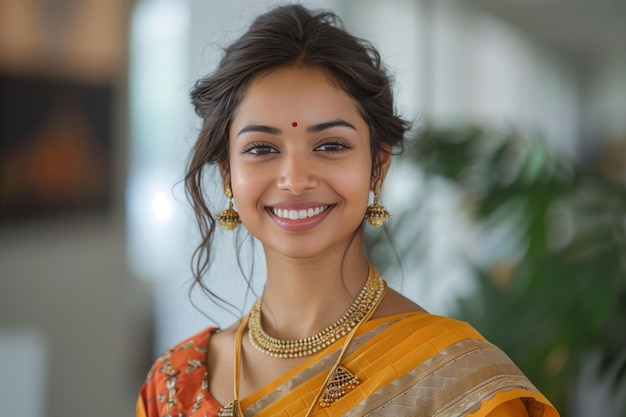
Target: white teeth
{"points": [[298, 214]]}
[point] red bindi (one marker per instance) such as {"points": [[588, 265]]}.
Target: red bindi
{"points": [[294, 124]]}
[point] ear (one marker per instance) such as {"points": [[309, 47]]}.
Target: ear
{"points": [[380, 172], [224, 172]]}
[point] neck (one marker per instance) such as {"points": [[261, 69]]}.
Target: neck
{"points": [[303, 296]]}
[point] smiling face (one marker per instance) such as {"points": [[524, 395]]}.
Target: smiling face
{"points": [[300, 163]]}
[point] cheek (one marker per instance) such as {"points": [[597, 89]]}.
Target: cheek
{"points": [[354, 184], [247, 186]]}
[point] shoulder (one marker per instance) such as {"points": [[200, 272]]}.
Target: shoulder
{"points": [[454, 344], [191, 351], [451, 355], [182, 365], [395, 303], [417, 323]]}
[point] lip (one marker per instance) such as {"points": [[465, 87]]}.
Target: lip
{"points": [[299, 225]]}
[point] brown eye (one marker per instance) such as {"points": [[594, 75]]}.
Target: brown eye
{"points": [[259, 149], [334, 146]]}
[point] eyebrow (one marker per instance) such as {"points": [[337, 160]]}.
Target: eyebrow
{"points": [[319, 127], [328, 125], [259, 128]]}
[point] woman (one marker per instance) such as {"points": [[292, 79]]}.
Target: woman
{"points": [[299, 118]]}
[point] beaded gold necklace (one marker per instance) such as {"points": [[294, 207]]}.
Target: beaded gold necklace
{"points": [[296, 348], [339, 380]]}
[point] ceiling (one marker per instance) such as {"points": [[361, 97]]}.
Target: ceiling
{"points": [[581, 31]]}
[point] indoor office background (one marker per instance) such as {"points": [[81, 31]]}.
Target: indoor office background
{"points": [[509, 203]]}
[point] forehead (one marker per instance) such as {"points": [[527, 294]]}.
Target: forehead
{"points": [[295, 92]]}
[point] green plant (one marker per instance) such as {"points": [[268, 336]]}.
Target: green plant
{"points": [[560, 293]]}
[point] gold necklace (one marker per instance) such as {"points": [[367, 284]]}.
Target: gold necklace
{"points": [[338, 381], [296, 348]]}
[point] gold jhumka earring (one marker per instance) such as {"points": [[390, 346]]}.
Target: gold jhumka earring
{"points": [[229, 218], [375, 213]]}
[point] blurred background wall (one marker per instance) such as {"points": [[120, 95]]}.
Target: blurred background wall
{"points": [[94, 274], [74, 324]]}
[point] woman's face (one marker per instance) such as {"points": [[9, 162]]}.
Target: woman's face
{"points": [[300, 163]]}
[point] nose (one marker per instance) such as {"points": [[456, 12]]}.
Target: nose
{"points": [[296, 175]]}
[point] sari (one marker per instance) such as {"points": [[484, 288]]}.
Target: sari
{"points": [[410, 364]]}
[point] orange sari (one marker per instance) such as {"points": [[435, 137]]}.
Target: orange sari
{"points": [[412, 364]]}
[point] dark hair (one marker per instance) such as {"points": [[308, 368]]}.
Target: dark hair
{"points": [[287, 36]]}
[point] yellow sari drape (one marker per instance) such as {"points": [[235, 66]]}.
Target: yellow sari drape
{"points": [[413, 364]]}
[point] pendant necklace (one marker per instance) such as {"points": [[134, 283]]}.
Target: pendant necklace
{"points": [[339, 380]]}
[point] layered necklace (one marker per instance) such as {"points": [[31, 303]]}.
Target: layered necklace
{"points": [[296, 348], [339, 379]]}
